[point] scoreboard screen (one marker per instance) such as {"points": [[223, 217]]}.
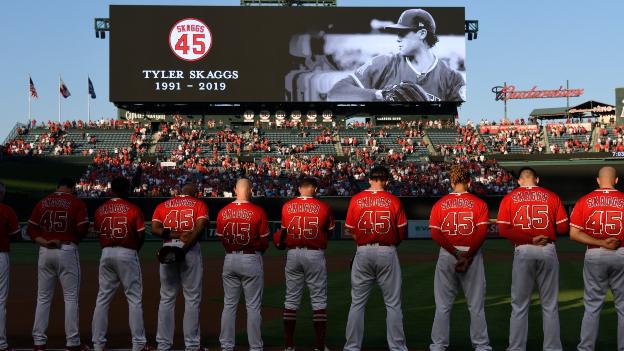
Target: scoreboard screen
{"points": [[211, 54]]}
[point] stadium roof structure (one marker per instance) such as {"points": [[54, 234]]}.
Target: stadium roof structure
{"points": [[591, 106], [549, 113]]}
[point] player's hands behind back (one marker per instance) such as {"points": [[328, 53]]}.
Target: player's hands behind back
{"points": [[54, 244], [540, 240], [185, 237], [48, 244], [611, 243]]}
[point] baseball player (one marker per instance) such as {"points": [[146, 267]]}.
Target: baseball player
{"points": [[308, 223], [179, 221], [414, 63], [377, 222], [459, 223], [57, 224], [531, 217], [243, 229], [9, 226], [596, 221], [121, 228]]}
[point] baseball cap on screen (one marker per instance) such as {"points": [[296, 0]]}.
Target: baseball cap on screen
{"points": [[413, 19]]}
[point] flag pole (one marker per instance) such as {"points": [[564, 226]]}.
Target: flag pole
{"points": [[29, 117], [88, 102], [59, 100]]}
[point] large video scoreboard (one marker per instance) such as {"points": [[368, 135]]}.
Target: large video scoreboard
{"points": [[184, 54]]}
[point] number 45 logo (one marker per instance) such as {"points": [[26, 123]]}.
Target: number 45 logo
{"points": [[190, 39], [535, 217]]}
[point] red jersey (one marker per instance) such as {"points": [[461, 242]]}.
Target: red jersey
{"points": [[600, 214], [119, 223], [9, 225], [59, 216], [242, 226], [375, 216], [530, 211], [180, 214], [459, 221], [308, 221]]}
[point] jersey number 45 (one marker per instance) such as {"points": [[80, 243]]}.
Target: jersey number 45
{"points": [[605, 222], [458, 223], [535, 217], [374, 222]]}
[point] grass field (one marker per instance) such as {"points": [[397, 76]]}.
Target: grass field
{"points": [[418, 263]]}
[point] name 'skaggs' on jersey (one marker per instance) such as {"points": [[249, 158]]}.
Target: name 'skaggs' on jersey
{"points": [[243, 226], [308, 222], [600, 214], [459, 220], [119, 223], [376, 217], [180, 214], [531, 211], [59, 216]]}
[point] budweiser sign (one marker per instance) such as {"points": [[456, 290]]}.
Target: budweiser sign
{"points": [[509, 92]]}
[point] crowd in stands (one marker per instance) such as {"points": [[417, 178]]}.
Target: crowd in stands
{"points": [[51, 138], [507, 140], [209, 154], [575, 138], [278, 176], [467, 143], [610, 139]]}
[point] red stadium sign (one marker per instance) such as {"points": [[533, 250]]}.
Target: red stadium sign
{"points": [[509, 92], [497, 128]]}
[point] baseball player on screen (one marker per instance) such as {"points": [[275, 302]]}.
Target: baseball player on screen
{"points": [[596, 221], [58, 223], [308, 223], [121, 228], [179, 221], [531, 217], [425, 77], [9, 226], [243, 229], [459, 223], [377, 222]]}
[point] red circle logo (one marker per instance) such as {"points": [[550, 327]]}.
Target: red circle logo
{"points": [[190, 39]]}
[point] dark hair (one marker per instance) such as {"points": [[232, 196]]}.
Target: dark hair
{"points": [[431, 38], [459, 175], [308, 181], [120, 186], [67, 182], [379, 173], [527, 169]]}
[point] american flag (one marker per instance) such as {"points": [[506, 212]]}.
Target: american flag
{"points": [[33, 90], [64, 91]]}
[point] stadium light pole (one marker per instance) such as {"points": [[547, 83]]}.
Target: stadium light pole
{"points": [[471, 28], [567, 99], [101, 26], [505, 101]]}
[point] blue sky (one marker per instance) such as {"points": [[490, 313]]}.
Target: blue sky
{"points": [[525, 43]]}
